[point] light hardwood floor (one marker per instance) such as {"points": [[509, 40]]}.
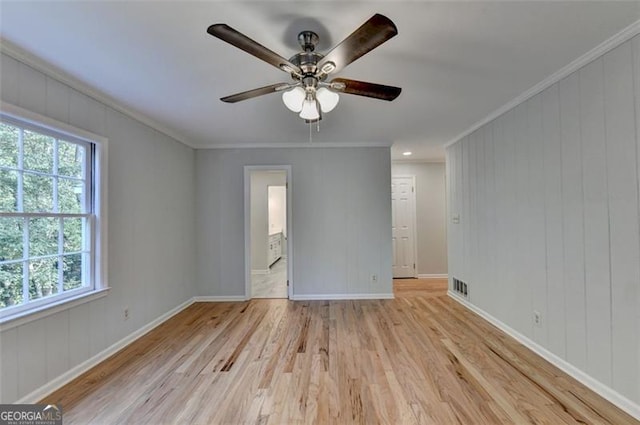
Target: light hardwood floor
{"points": [[418, 359]]}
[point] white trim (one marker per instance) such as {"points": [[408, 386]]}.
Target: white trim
{"points": [[593, 384], [50, 70], [38, 120], [247, 225], [593, 54], [433, 276], [219, 299], [53, 385], [24, 317], [309, 297], [295, 145], [260, 271], [418, 161]]}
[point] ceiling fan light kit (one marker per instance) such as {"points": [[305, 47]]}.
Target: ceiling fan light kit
{"points": [[310, 95]]}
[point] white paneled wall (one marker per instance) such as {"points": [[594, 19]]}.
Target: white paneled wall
{"points": [[151, 234], [549, 218]]}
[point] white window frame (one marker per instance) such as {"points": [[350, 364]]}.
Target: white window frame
{"points": [[97, 221]]}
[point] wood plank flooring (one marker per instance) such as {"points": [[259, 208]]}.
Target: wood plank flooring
{"points": [[418, 359]]}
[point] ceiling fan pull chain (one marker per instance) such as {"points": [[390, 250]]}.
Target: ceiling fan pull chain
{"points": [[310, 133]]}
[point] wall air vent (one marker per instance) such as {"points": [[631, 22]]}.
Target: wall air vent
{"points": [[460, 288]]}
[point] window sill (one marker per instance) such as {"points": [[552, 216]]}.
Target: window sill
{"points": [[24, 317]]}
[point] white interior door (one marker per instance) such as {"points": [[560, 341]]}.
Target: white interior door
{"points": [[403, 203]]}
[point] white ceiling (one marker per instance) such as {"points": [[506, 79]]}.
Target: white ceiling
{"points": [[457, 62]]}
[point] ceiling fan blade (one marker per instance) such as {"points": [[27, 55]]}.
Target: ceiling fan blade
{"points": [[225, 33], [370, 35], [361, 88], [255, 92]]}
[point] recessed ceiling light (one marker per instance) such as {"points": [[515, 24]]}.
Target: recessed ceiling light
{"points": [[407, 153]]}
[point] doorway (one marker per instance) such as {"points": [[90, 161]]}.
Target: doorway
{"points": [[403, 224], [268, 258]]}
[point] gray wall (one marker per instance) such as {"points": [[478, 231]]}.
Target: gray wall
{"points": [[431, 213], [548, 202], [151, 234], [341, 212], [260, 181]]}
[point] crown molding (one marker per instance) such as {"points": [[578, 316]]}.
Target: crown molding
{"points": [[419, 161], [295, 145], [593, 54], [23, 56]]}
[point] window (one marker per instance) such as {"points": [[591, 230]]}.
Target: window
{"points": [[49, 216]]}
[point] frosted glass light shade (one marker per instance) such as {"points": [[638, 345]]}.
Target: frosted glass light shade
{"points": [[293, 98], [327, 99], [309, 110]]}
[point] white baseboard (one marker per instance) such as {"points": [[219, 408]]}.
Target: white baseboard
{"points": [[309, 297], [78, 370], [433, 276], [261, 271], [220, 299], [593, 384]]}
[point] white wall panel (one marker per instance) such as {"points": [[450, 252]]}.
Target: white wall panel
{"points": [[459, 210], [151, 234], [596, 221], [9, 78], [31, 89], [636, 73], [510, 217], [32, 356], [465, 215], [523, 283], [573, 221], [561, 218], [622, 169], [499, 202], [8, 362], [555, 318], [536, 264], [79, 331], [472, 214], [57, 100], [57, 344]]}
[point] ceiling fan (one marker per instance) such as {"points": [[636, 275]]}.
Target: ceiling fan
{"points": [[310, 94]]}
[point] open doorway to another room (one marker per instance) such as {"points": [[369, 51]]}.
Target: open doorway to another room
{"points": [[267, 256]]}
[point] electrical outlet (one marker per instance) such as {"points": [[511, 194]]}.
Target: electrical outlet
{"points": [[126, 313], [537, 318], [374, 278]]}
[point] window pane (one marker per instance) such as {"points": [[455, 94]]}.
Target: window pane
{"points": [[10, 284], [73, 234], [8, 146], [72, 271], [70, 195], [38, 152], [70, 159], [8, 191], [43, 236], [43, 277], [37, 193], [10, 238]]}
